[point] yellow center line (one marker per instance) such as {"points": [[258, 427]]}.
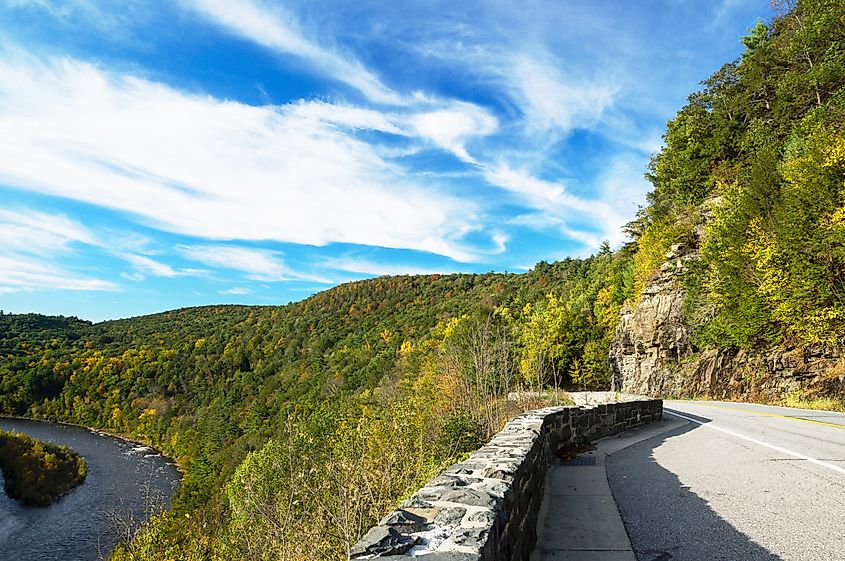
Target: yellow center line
{"points": [[740, 410]]}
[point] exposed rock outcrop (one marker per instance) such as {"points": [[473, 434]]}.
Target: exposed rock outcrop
{"points": [[652, 337], [653, 354]]}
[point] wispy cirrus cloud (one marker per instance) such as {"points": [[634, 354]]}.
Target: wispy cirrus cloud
{"points": [[371, 267], [236, 291], [444, 124], [145, 265], [553, 102], [31, 231], [258, 264], [21, 273], [32, 245], [211, 168], [589, 220], [89, 11], [275, 28]]}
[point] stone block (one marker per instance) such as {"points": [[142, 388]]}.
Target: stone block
{"points": [[449, 517], [437, 556], [474, 537], [382, 540], [405, 521]]}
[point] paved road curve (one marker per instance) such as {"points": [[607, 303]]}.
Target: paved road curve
{"points": [[735, 481]]}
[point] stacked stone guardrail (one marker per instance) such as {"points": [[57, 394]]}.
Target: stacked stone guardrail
{"points": [[486, 508]]}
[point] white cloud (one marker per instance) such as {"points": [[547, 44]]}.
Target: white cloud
{"points": [[445, 124], [589, 221], [275, 28], [30, 244], [345, 116], [146, 265], [21, 273], [39, 232], [501, 242], [450, 127], [551, 101], [624, 187], [260, 264], [88, 11], [151, 266], [539, 194], [554, 89], [210, 168], [237, 291]]}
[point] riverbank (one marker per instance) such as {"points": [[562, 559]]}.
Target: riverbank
{"points": [[126, 483], [131, 439]]}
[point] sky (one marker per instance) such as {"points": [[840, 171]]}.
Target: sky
{"points": [[156, 155]]}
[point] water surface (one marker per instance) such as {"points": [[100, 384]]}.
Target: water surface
{"points": [[121, 475]]}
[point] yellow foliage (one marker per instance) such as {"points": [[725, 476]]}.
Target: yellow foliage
{"points": [[834, 152], [606, 312], [406, 348], [653, 245], [837, 220], [452, 325], [774, 284]]}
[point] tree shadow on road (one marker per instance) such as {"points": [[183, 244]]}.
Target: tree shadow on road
{"points": [[665, 520]]}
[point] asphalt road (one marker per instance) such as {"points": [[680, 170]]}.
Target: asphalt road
{"points": [[735, 481]]}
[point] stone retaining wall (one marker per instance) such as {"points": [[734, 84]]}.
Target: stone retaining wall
{"points": [[485, 508]]}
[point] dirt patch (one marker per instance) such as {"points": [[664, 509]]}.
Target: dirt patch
{"points": [[572, 451]]}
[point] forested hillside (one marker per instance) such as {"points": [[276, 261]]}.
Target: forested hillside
{"points": [[759, 156], [740, 254], [347, 400]]}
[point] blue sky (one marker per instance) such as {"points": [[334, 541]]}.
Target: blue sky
{"points": [[155, 155]]}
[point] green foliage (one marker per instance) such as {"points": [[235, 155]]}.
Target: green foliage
{"points": [[654, 243], [594, 369], [761, 145], [564, 339], [682, 172], [38, 473], [755, 39], [552, 340], [460, 432], [801, 261]]}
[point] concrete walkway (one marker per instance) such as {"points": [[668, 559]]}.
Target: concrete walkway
{"points": [[579, 520]]}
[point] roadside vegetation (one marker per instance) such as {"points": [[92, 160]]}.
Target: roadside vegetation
{"points": [[38, 473], [752, 177]]}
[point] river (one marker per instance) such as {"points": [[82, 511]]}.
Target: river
{"points": [[121, 475]]}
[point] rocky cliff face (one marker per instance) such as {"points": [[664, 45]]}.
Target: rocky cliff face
{"points": [[652, 353], [652, 338]]}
